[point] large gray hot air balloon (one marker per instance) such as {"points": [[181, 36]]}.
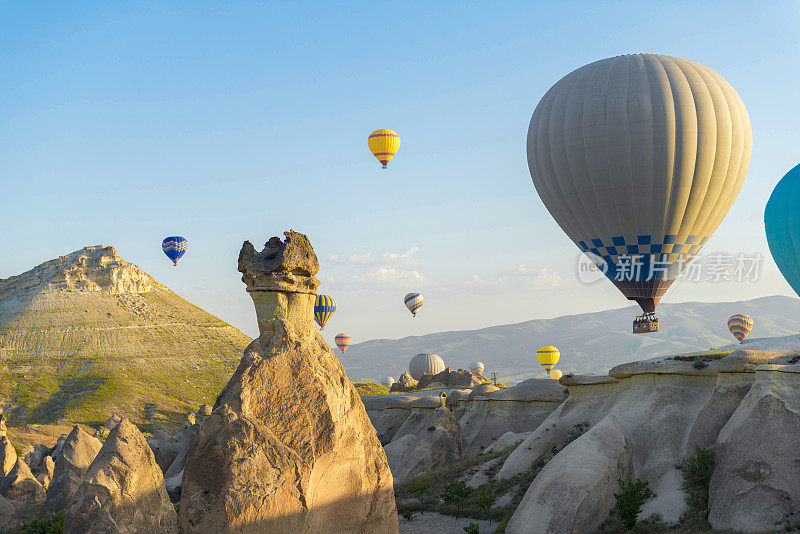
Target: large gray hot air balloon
{"points": [[425, 363], [638, 158]]}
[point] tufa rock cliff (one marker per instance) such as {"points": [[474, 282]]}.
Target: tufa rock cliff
{"points": [[90, 334], [289, 447]]}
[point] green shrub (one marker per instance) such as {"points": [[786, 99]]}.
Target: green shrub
{"points": [[455, 492], [484, 499], [51, 524], [632, 495], [696, 471], [472, 528], [418, 487], [405, 512]]}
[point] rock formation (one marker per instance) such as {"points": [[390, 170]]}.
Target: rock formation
{"points": [[8, 455], [484, 413], [45, 474], [9, 520], [123, 491], [405, 383], [20, 487], [427, 442], [289, 447], [71, 464], [118, 318], [645, 417]]}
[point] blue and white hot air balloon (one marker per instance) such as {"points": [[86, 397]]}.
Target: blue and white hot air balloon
{"points": [[638, 158], [174, 247]]}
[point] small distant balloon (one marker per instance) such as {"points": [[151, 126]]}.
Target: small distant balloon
{"points": [[342, 341], [548, 356], [383, 144], [740, 326], [556, 374], [388, 381], [174, 247], [477, 367], [323, 310], [413, 302]]}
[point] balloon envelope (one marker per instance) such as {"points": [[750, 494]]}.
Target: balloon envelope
{"points": [[548, 356], [782, 225], [174, 247], [388, 381], [425, 363], [383, 144], [556, 374], [342, 341], [323, 309], [740, 326], [413, 302], [638, 158], [477, 367]]}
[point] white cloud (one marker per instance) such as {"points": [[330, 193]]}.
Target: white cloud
{"points": [[389, 275], [387, 258]]}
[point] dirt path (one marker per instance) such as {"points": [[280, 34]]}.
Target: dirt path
{"points": [[431, 522]]}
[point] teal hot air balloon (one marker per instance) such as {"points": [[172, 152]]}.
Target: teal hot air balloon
{"points": [[782, 224], [638, 158], [323, 310]]}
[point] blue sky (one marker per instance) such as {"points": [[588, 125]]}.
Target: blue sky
{"points": [[122, 123]]}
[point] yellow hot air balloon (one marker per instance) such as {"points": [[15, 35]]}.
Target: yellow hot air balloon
{"points": [[556, 374], [383, 144], [548, 357]]}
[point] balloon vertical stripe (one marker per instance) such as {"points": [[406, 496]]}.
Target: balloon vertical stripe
{"points": [[323, 309]]}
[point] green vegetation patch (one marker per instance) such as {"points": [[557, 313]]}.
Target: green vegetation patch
{"points": [[441, 490], [370, 388]]}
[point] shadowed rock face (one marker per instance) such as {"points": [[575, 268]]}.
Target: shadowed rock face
{"points": [[71, 463], [20, 487], [435, 442], [289, 447], [123, 491]]}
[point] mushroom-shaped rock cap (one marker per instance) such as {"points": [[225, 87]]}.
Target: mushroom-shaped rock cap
{"points": [[289, 265]]}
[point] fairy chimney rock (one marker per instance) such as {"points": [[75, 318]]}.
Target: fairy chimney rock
{"points": [[288, 448], [281, 279]]}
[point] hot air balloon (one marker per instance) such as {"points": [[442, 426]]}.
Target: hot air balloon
{"points": [[638, 158], [425, 363], [548, 356], [342, 341], [413, 302], [477, 367], [780, 216], [740, 326], [383, 144], [323, 310], [174, 247], [388, 381], [556, 374]]}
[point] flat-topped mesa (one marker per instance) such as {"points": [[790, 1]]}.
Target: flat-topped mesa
{"points": [[95, 268], [281, 279]]}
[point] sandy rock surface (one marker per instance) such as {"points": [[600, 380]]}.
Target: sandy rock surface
{"points": [[429, 442], [20, 487], [123, 491], [289, 447], [77, 453]]}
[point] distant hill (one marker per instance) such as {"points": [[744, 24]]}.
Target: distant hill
{"points": [[88, 334], [589, 343]]}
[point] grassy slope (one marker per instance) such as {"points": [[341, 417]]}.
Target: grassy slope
{"points": [[71, 356]]}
